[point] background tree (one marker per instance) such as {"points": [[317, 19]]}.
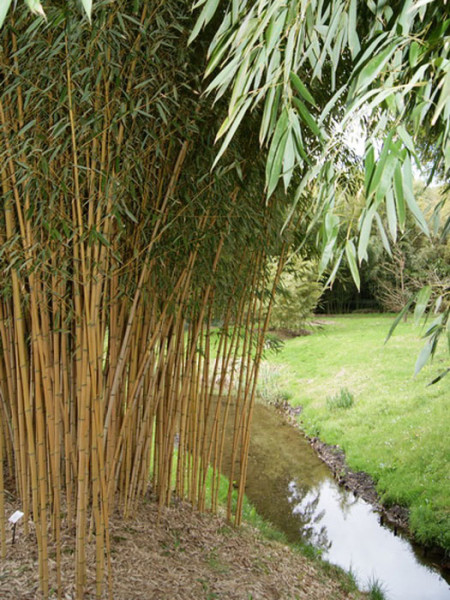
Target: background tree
{"points": [[298, 292]]}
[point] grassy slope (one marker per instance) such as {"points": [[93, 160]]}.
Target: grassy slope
{"points": [[398, 430]]}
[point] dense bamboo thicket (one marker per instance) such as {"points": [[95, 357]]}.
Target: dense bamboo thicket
{"points": [[133, 297]]}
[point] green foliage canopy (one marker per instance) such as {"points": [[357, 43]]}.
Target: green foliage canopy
{"points": [[310, 69]]}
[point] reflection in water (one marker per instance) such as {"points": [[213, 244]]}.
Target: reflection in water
{"points": [[293, 489], [309, 516], [357, 541]]}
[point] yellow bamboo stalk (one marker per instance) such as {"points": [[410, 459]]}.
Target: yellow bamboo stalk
{"points": [[2, 498], [9, 393], [253, 381]]}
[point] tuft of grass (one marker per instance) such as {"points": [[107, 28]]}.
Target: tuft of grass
{"points": [[344, 399], [352, 585], [376, 590]]}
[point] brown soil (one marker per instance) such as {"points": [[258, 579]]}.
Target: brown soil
{"points": [[187, 556]]}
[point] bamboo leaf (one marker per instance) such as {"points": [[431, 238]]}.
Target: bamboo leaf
{"points": [[276, 153], [275, 29], [422, 300], [270, 110], [364, 233], [331, 230], [374, 66], [335, 268], [445, 230], [369, 167], [224, 77], [409, 196], [352, 33], [406, 139], [423, 357], [398, 318], [384, 237], [441, 375], [351, 257], [399, 197], [301, 89], [307, 118], [234, 125], [379, 166], [36, 7], [217, 55], [386, 176], [235, 11], [296, 128], [4, 7], [391, 214], [203, 19], [435, 328], [444, 99], [288, 54], [240, 84], [87, 5], [288, 159], [372, 49]]}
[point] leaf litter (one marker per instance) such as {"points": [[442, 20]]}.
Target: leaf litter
{"points": [[186, 555]]}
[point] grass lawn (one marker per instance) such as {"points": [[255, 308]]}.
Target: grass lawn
{"points": [[396, 428]]}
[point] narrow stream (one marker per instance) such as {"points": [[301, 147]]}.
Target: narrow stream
{"points": [[293, 489]]}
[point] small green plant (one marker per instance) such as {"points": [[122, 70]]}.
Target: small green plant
{"points": [[376, 590], [349, 582], [344, 399]]}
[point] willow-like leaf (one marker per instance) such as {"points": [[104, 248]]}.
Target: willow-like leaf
{"points": [[301, 88], [87, 5], [422, 299], [374, 66], [36, 7], [276, 153], [441, 375], [409, 195], [399, 317], [351, 257], [423, 357], [4, 7]]}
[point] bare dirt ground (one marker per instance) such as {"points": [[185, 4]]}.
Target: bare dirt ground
{"points": [[187, 556]]}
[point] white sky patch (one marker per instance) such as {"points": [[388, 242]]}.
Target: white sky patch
{"points": [[353, 135]]}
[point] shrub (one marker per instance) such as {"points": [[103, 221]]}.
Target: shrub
{"points": [[297, 295]]}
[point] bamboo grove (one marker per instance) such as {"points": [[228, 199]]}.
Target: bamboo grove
{"points": [[134, 296]]}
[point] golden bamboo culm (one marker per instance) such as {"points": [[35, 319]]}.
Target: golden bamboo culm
{"points": [[134, 298]]}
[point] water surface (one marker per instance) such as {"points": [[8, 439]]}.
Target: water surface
{"points": [[291, 487]]}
